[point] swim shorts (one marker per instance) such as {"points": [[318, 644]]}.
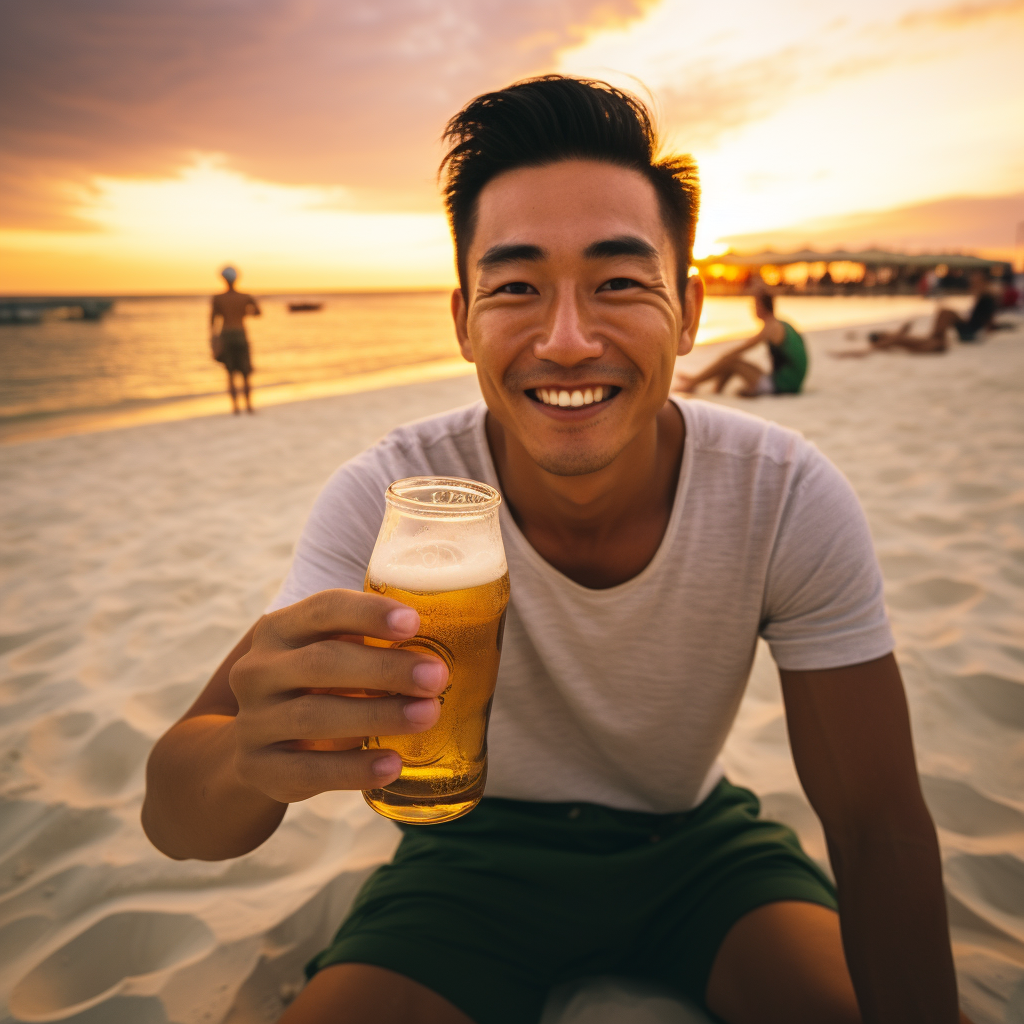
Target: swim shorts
{"points": [[495, 909], [235, 355], [965, 332]]}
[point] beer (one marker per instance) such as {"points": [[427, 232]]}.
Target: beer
{"points": [[439, 551]]}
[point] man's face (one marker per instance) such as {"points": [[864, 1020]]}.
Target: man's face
{"points": [[572, 313]]}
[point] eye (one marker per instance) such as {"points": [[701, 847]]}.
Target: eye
{"points": [[619, 284], [516, 288]]}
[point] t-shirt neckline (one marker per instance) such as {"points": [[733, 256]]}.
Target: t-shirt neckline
{"points": [[511, 530]]}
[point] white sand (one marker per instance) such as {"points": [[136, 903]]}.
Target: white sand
{"points": [[134, 559]]}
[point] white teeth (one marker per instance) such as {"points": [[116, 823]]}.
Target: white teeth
{"points": [[573, 399]]}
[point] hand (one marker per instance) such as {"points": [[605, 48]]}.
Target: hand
{"points": [[302, 695]]}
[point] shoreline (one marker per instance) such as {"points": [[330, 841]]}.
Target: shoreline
{"points": [[20, 429], [43, 426]]}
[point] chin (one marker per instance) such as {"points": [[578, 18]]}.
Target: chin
{"points": [[573, 463]]}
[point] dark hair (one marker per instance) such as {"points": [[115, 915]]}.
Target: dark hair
{"points": [[767, 300], [556, 117]]}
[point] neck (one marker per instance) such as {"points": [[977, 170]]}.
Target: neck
{"points": [[600, 528]]}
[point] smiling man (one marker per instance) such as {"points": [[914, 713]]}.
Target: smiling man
{"points": [[649, 543]]}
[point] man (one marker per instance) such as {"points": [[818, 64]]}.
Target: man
{"points": [[648, 542], [979, 320], [787, 350], [230, 344]]}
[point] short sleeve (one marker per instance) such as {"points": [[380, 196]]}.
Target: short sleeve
{"points": [[824, 603], [335, 545]]}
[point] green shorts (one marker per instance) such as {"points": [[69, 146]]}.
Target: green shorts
{"points": [[495, 909]]}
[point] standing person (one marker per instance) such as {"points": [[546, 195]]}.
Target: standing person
{"points": [[787, 350], [230, 344], [649, 542]]}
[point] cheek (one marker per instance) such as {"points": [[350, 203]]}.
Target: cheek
{"points": [[497, 336], [647, 334]]}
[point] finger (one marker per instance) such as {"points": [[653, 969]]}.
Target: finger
{"points": [[339, 611], [329, 664], [324, 717], [292, 775]]}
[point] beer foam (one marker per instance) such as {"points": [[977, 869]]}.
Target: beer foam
{"points": [[433, 565]]}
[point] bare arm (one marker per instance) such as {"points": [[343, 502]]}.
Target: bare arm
{"points": [[214, 313], [850, 733], [253, 307], [283, 718]]}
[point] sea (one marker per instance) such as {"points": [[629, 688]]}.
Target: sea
{"points": [[149, 358]]}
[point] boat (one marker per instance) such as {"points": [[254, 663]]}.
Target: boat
{"points": [[304, 307]]}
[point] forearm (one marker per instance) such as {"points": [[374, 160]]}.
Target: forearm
{"points": [[730, 357], [893, 917], [195, 805]]}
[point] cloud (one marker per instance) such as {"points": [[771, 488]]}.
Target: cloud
{"points": [[976, 223], [317, 92], [960, 15], [718, 68]]}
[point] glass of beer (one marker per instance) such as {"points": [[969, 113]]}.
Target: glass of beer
{"points": [[439, 551]]}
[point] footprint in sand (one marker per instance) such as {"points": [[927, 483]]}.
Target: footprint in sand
{"points": [[14, 687], [12, 641], [168, 702], [995, 880], [959, 807], [93, 965], [937, 592], [44, 834], [900, 566], [1000, 698], [111, 758]]}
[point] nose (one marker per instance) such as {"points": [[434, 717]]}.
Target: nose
{"points": [[565, 339]]}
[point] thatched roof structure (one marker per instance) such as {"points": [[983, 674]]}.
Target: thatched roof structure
{"points": [[869, 257]]}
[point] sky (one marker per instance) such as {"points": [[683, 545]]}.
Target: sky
{"points": [[143, 145]]}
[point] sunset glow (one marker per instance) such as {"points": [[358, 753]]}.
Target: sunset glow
{"points": [[170, 234], [803, 116]]}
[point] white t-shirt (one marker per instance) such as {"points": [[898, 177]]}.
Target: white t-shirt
{"points": [[624, 696]]}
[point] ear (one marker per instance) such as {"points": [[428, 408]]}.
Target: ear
{"points": [[460, 314], [693, 303]]}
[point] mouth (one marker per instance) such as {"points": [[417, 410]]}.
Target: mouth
{"points": [[573, 398]]}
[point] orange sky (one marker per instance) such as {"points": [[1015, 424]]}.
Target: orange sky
{"points": [[145, 146]]}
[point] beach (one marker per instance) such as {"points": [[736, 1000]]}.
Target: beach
{"points": [[133, 559]]}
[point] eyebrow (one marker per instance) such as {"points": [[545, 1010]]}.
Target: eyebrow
{"points": [[501, 255], [623, 245], [524, 252]]}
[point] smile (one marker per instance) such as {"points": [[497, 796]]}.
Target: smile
{"points": [[573, 398]]}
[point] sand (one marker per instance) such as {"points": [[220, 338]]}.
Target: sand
{"points": [[133, 559]]}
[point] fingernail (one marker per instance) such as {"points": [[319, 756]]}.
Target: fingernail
{"points": [[386, 765], [431, 675], [403, 620], [420, 711]]}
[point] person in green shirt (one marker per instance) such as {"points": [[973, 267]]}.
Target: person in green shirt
{"points": [[786, 346]]}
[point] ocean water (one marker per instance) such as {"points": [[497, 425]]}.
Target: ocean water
{"points": [[149, 358]]}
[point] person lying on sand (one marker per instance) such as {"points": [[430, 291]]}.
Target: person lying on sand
{"points": [[650, 541], [968, 330], [788, 353]]}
